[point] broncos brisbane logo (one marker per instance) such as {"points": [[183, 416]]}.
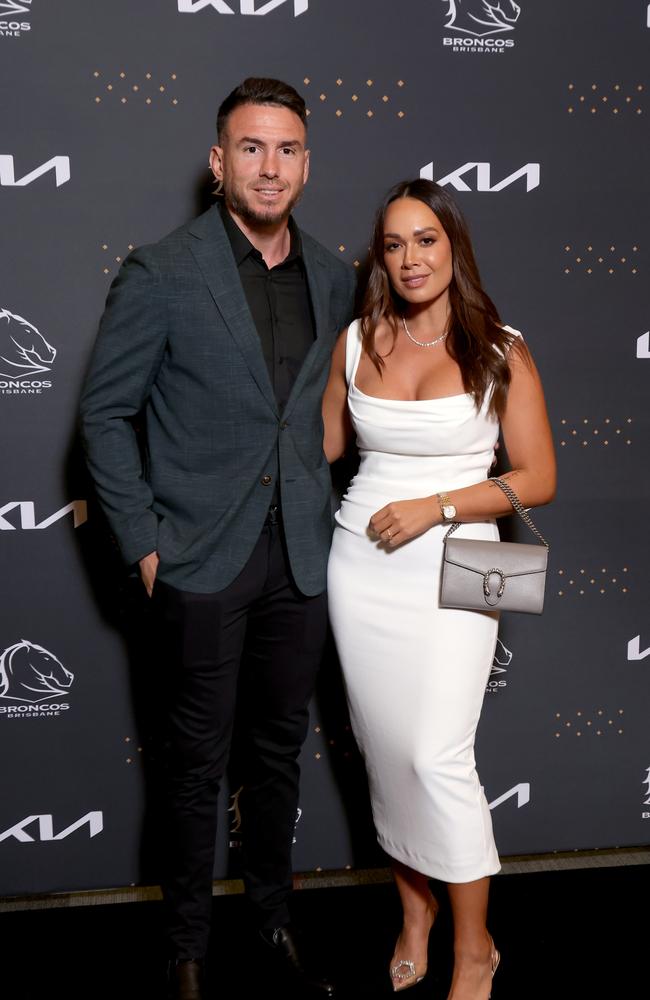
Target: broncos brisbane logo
{"points": [[23, 350], [482, 17], [31, 673]]}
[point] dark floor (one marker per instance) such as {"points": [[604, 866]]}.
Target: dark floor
{"points": [[579, 934]]}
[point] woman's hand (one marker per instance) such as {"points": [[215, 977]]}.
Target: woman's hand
{"points": [[402, 520]]}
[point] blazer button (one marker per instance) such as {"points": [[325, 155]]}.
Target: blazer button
{"points": [[284, 425], [266, 480]]}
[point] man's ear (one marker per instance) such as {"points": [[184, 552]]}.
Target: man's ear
{"points": [[305, 172], [216, 162]]}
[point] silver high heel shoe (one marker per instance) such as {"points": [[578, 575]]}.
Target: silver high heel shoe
{"points": [[398, 976], [495, 958], [405, 968]]}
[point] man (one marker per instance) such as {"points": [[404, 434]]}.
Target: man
{"points": [[221, 334]]}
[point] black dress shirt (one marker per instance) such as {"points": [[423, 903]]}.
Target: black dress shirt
{"points": [[280, 304]]}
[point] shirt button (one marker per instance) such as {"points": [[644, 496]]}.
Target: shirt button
{"points": [[266, 480]]}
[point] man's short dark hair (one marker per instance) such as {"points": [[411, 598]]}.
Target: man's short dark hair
{"points": [[261, 90]]}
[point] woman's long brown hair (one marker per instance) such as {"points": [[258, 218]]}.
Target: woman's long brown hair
{"points": [[476, 339]]}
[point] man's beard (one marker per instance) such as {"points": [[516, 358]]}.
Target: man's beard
{"points": [[271, 216]]}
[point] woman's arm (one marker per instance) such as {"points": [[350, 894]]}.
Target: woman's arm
{"points": [[529, 444], [336, 416], [528, 441]]}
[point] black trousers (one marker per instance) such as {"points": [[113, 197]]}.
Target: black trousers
{"points": [[256, 647]]}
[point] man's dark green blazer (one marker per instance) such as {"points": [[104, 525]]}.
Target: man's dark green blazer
{"points": [[177, 342]]}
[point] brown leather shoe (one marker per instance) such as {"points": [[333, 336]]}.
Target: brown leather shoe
{"points": [[186, 980]]}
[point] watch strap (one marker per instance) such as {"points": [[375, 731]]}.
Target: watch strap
{"points": [[444, 500]]}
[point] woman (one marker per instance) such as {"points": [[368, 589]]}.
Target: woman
{"points": [[424, 378]]}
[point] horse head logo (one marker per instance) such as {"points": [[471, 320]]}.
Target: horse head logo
{"points": [[15, 6], [30, 673], [502, 658], [23, 350], [482, 17]]}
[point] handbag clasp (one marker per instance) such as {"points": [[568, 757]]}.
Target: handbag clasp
{"points": [[486, 583]]}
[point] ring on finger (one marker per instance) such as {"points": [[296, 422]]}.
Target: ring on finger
{"points": [[389, 533]]}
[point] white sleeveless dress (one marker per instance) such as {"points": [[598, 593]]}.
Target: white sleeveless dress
{"points": [[415, 673]]}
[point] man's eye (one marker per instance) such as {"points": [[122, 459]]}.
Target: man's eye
{"points": [[288, 150], [250, 149]]}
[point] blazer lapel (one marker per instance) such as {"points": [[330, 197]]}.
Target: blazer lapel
{"points": [[213, 255], [319, 288]]}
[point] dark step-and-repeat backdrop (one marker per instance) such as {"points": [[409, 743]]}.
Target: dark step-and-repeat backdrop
{"points": [[535, 115]]}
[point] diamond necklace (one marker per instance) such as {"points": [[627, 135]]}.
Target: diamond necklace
{"points": [[422, 343]]}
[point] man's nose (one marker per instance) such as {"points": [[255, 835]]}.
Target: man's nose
{"points": [[269, 166]]}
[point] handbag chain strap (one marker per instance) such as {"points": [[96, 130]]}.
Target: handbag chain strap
{"points": [[517, 505]]}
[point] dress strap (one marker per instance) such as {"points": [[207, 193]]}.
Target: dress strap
{"points": [[511, 329], [353, 347]]}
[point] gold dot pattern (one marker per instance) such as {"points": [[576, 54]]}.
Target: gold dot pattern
{"points": [[588, 723], [595, 431], [118, 86], [606, 99], [596, 582], [131, 759], [110, 258], [367, 97], [347, 251], [339, 745], [608, 260]]}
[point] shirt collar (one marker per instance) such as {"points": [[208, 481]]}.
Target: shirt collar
{"points": [[242, 246]]}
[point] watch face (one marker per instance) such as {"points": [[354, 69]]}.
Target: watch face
{"points": [[449, 511]]}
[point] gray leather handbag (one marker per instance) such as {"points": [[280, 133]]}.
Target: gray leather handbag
{"points": [[489, 576]]}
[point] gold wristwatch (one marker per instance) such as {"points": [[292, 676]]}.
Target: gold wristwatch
{"points": [[447, 509]]}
